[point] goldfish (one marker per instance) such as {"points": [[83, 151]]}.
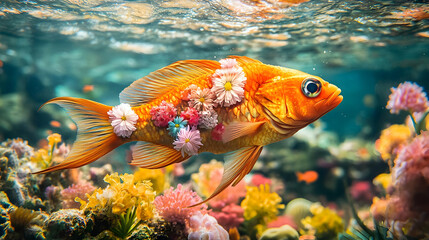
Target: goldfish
{"points": [[308, 176], [235, 106]]}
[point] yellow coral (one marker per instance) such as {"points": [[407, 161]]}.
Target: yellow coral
{"points": [[157, 177], [391, 138], [325, 222], [121, 194], [383, 179], [54, 139], [41, 158], [262, 204]]}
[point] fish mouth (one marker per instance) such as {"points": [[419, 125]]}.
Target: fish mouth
{"points": [[332, 101]]}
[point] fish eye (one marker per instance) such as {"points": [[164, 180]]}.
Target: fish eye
{"points": [[311, 87]]}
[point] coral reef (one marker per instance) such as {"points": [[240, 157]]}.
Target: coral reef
{"points": [[80, 190], [325, 223], [66, 224]]}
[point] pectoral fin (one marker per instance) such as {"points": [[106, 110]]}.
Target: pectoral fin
{"points": [[238, 129], [149, 155], [237, 165]]}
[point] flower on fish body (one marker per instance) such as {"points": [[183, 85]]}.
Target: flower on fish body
{"points": [[188, 141], [409, 97], [208, 119], [202, 100], [191, 115], [228, 83], [123, 120], [163, 114], [175, 126], [186, 94], [218, 131]]}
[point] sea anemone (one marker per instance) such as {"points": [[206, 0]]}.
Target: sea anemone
{"points": [[173, 206], [409, 97], [163, 114], [188, 141], [205, 227], [123, 120]]}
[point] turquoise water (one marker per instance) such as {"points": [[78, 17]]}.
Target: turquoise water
{"points": [[94, 49]]}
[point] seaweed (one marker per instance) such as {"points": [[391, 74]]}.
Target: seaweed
{"points": [[126, 224]]}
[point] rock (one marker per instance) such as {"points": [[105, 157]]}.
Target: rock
{"points": [[65, 224]]}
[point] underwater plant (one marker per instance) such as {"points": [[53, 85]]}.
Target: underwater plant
{"points": [[126, 223], [260, 207], [22, 218]]}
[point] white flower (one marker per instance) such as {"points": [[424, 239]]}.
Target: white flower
{"points": [[208, 119], [202, 100], [228, 83], [123, 120]]}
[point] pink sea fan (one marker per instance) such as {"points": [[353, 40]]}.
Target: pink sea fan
{"points": [[409, 97], [205, 227], [173, 205], [230, 216], [76, 190], [163, 114], [191, 115]]}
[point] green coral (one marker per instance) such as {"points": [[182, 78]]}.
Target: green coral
{"points": [[325, 223], [284, 232], [261, 206]]}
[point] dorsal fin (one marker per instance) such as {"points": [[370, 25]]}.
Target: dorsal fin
{"points": [[161, 81], [243, 60]]}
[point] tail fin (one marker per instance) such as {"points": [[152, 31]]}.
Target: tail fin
{"points": [[95, 136]]}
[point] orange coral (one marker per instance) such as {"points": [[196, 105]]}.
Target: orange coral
{"points": [[391, 138]]}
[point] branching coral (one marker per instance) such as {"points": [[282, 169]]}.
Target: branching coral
{"points": [[173, 205], [261, 206], [121, 194], [325, 222]]}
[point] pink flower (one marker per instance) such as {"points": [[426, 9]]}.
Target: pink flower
{"points": [[217, 132], [409, 97], [123, 120], [187, 93], [228, 84], [230, 216], [80, 190], [173, 205], [205, 227], [208, 119], [163, 114], [191, 115], [188, 141], [202, 100]]}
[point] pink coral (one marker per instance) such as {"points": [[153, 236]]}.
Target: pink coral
{"points": [[409, 195], [205, 227], [191, 115], [361, 191], [163, 114], [230, 216], [76, 190], [173, 206], [409, 97], [259, 179]]}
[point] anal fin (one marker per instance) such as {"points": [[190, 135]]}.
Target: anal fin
{"points": [[152, 156], [237, 164], [238, 129]]}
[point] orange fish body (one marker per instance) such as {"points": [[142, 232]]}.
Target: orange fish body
{"points": [[275, 104], [308, 177]]}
